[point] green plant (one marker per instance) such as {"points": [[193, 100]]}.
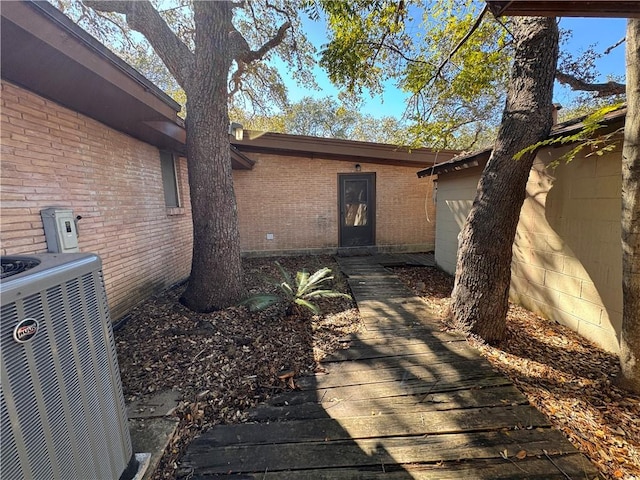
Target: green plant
{"points": [[296, 292], [586, 137]]}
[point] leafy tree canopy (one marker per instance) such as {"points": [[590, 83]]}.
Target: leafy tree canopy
{"points": [[257, 83], [451, 99], [326, 117], [456, 81], [455, 100]]}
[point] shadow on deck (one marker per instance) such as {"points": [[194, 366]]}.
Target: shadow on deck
{"points": [[405, 401]]}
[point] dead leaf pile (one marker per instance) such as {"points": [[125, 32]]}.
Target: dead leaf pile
{"points": [[565, 376], [223, 363]]}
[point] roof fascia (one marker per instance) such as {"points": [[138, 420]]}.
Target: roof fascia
{"points": [[565, 8], [56, 17], [339, 149]]}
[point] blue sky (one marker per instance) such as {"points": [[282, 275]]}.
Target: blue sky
{"points": [[586, 31]]}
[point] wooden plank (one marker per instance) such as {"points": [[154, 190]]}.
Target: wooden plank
{"points": [[429, 335], [427, 342], [376, 451], [383, 306], [424, 329], [566, 8], [451, 353], [438, 364], [388, 390], [487, 397], [402, 315], [371, 426], [340, 375], [408, 388], [574, 466]]}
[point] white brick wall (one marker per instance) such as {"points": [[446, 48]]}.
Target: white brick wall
{"points": [[572, 231]]}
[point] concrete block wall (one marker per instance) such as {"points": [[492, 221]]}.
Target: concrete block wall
{"points": [[52, 156], [567, 263], [296, 200]]}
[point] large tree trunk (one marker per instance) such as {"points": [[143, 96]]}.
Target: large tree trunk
{"points": [[630, 337], [480, 297], [216, 279]]}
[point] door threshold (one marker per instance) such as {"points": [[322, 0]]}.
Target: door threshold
{"points": [[357, 251]]}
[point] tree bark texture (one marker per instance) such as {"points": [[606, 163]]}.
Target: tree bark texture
{"points": [[480, 297], [630, 335], [216, 279]]}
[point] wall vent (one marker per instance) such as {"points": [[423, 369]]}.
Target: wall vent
{"points": [[62, 411]]}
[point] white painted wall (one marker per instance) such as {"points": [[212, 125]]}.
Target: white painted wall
{"points": [[456, 192]]}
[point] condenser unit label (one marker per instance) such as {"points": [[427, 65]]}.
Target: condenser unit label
{"points": [[25, 330]]}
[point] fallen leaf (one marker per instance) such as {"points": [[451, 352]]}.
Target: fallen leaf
{"points": [[286, 375], [521, 455]]}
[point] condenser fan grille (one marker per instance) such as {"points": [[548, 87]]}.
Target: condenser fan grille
{"points": [[10, 266]]}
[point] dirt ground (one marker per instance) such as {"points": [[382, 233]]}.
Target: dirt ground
{"points": [[226, 362]]}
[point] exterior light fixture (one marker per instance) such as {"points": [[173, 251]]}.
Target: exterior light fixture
{"points": [[358, 167], [235, 129]]}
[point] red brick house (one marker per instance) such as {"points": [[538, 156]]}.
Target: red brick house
{"points": [[83, 130]]}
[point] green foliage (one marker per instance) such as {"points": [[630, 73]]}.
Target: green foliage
{"points": [[586, 137], [451, 100], [295, 291]]}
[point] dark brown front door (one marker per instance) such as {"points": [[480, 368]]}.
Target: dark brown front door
{"points": [[357, 209]]}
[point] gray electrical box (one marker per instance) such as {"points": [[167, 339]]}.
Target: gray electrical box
{"points": [[60, 230]]}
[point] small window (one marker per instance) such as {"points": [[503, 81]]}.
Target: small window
{"points": [[169, 180]]}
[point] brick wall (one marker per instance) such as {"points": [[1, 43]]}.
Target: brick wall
{"points": [[52, 156], [296, 200], [567, 254]]}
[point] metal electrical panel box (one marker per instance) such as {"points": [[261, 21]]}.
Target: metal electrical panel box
{"points": [[60, 230]]}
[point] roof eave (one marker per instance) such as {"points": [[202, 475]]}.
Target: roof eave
{"points": [[565, 8], [611, 122], [68, 66], [339, 149]]}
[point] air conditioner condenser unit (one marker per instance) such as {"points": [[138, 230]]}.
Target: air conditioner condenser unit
{"points": [[62, 410]]}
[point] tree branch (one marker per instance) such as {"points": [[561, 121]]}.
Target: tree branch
{"points": [[602, 89], [399, 11], [617, 44], [242, 51], [235, 83], [144, 18], [464, 39], [395, 50]]}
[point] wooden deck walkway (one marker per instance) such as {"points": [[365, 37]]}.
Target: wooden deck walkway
{"points": [[405, 401]]}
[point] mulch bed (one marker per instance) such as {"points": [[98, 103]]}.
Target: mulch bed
{"points": [[224, 363]]}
